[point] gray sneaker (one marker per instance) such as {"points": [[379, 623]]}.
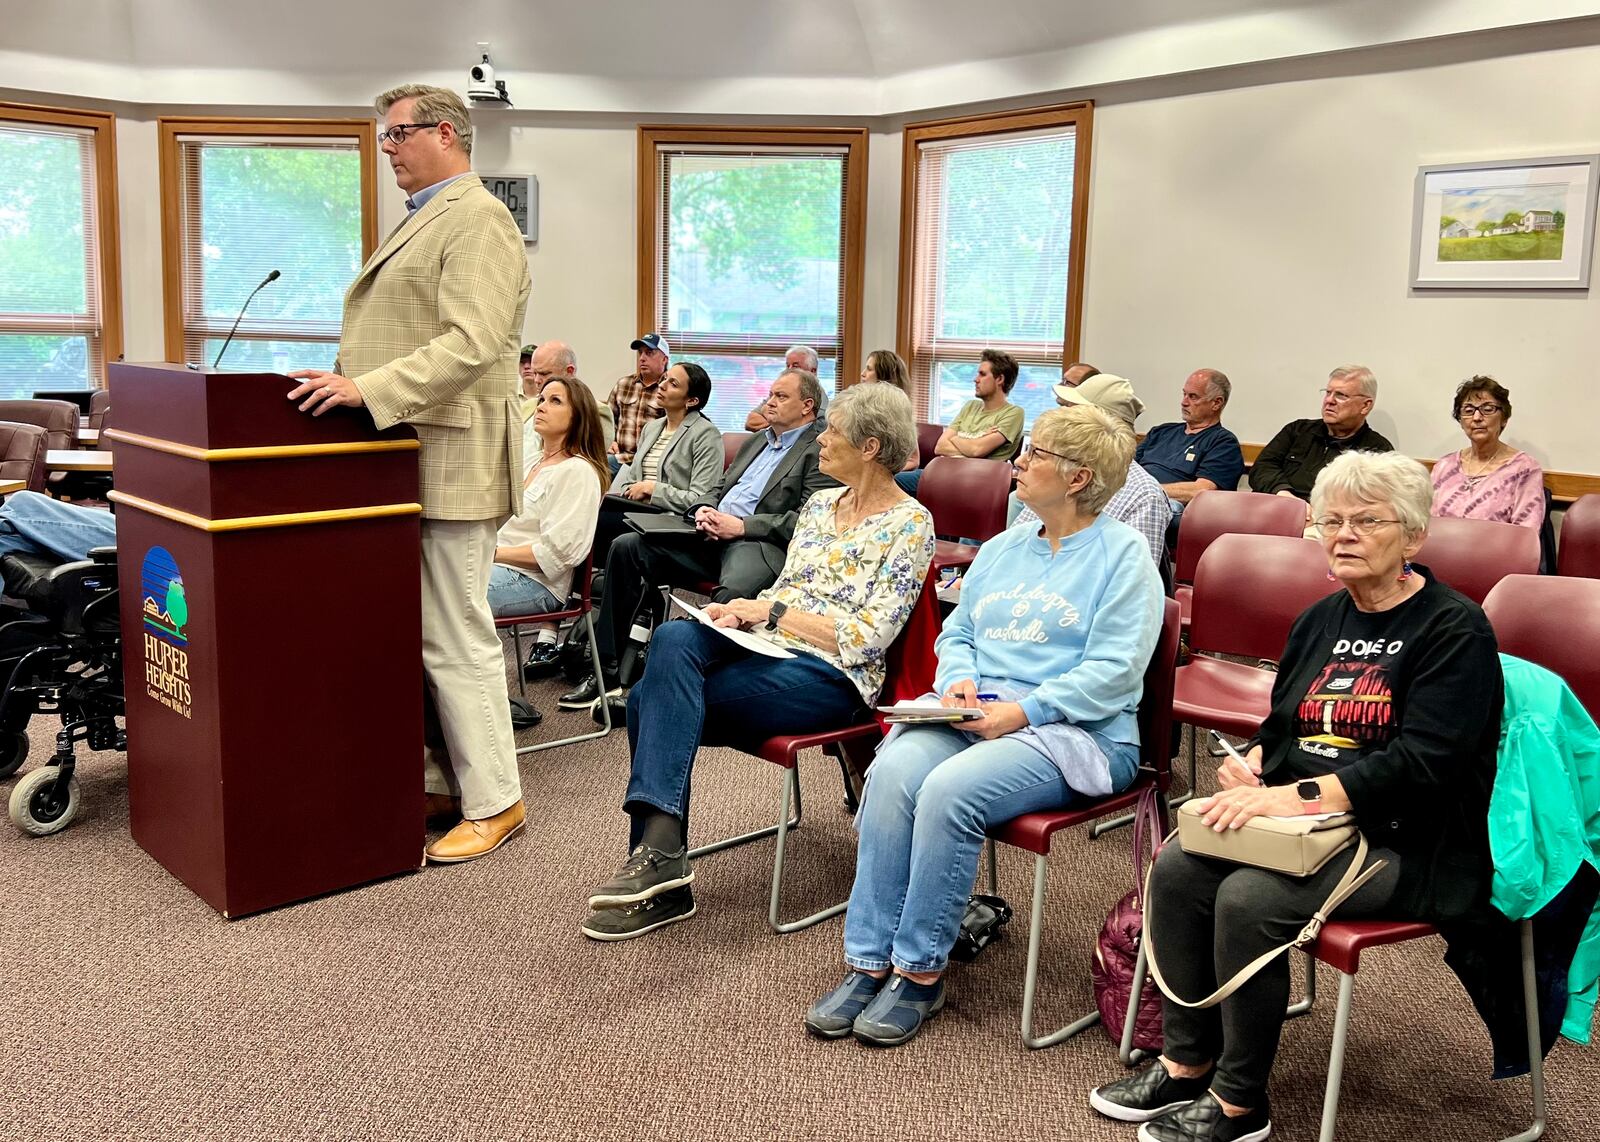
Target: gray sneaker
{"points": [[612, 924], [832, 1016], [646, 872], [898, 1012]]}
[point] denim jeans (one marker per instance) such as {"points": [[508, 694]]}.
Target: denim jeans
{"points": [[513, 593], [699, 688], [931, 795], [910, 481], [33, 522]]}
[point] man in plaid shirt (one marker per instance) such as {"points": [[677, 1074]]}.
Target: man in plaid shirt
{"points": [[636, 398]]}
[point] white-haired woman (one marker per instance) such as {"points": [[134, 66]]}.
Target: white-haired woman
{"points": [[1386, 703], [852, 576], [1051, 639]]}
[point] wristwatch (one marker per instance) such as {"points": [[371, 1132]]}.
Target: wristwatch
{"points": [[777, 612], [1310, 796]]}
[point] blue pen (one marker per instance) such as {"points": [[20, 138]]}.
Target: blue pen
{"points": [[986, 697]]}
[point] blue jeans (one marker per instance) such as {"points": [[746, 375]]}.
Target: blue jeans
{"points": [[701, 689], [513, 593], [909, 481], [33, 522], [932, 794]]}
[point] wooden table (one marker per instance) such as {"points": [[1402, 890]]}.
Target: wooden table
{"points": [[88, 436], [9, 486], [74, 460]]}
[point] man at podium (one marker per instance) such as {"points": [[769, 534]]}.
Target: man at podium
{"points": [[432, 326]]}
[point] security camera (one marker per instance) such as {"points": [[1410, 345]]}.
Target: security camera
{"points": [[482, 87]]}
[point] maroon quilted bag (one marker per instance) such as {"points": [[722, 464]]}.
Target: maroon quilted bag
{"points": [[1117, 947]]}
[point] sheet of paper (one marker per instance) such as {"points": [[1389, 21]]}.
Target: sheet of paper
{"points": [[929, 710], [742, 638]]}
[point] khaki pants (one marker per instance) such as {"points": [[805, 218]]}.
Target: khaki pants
{"points": [[469, 749]]}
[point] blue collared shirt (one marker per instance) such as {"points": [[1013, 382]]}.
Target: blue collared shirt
{"points": [[741, 499], [420, 199]]}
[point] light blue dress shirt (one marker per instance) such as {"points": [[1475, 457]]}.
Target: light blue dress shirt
{"points": [[741, 499], [420, 199]]}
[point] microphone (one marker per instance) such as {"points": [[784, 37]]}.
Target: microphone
{"points": [[265, 282]]}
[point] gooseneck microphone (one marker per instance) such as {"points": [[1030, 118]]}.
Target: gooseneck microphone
{"points": [[265, 282]]}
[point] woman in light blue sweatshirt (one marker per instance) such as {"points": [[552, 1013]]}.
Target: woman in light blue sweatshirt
{"points": [[1055, 628]]}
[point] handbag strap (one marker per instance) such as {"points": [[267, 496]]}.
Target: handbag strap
{"points": [[1146, 828], [1354, 877]]}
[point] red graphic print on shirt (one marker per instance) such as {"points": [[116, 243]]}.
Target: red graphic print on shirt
{"points": [[1349, 705]]}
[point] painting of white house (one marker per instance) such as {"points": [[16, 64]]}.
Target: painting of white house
{"points": [[1503, 224]]}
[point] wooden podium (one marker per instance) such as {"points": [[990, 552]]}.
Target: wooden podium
{"points": [[270, 575]]}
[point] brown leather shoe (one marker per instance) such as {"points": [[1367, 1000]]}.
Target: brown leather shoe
{"points": [[472, 839], [441, 805]]}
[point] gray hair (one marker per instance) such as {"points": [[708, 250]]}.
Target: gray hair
{"points": [[1378, 478], [565, 358], [1217, 384], [876, 412], [808, 357], [1361, 375], [1094, 439], [433, 105], [810, 389]]}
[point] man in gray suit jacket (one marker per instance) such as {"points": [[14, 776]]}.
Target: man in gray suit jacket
{"points": [[745, 526]]}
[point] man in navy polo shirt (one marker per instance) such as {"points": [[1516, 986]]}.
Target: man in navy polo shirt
{"points": [[1195, 454]]}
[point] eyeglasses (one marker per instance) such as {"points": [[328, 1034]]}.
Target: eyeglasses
{"points": [[1331, 525], [1337, 397], [1484, 410], [397, 133], [1029, 450]]}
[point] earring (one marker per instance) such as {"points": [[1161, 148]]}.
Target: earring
{"points": [[1332, 578], [1405, 572]]}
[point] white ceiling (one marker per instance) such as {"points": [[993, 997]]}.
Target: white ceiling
{"points": [[846, 57]]}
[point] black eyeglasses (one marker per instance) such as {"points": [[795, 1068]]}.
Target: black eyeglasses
{"points": [[397, 133], [1479, 410]]}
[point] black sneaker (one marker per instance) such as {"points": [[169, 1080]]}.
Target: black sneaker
{"points": [[1203, 1120], [646, 872], [618, 705], [585, 695], [544, 660], [1144, 1094], [612, 924]]}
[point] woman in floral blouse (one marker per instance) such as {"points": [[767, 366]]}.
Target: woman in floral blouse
{"points": [[851, 578]]}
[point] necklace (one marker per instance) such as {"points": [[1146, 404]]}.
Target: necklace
{"points": [[1495, 461]]}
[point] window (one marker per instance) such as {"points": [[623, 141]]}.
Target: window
{"points": [[992, 227], [241, 198], [60, 302], [750, 241]]}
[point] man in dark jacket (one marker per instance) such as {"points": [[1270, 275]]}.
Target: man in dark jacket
{"points": [[1289, 464]]}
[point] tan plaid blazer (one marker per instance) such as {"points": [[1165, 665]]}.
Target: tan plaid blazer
{"points": [[432, 328]]}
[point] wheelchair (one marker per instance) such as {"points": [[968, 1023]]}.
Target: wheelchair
{"points": [[62, 655]]}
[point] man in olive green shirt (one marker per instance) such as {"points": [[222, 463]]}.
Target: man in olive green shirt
{"points": [[988, 427]]}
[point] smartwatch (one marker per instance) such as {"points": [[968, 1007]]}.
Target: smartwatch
{"points": [[1310, 796], [777, 612]]}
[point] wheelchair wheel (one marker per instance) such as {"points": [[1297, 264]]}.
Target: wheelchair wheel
{"points": [[37, 809], [13, 752]]}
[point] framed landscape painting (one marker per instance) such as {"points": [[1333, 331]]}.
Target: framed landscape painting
{"points": [[1505, 224]]}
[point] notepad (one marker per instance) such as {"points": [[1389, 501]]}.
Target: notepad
{"points": [[914, 712], [742, 637]]}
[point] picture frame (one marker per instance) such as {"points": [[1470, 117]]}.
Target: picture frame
{"points": [[1505, 224]]}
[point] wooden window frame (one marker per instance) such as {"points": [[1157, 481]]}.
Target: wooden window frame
{"points": [[1078, 116], [171, 128], [650, 228], [108, 236]]}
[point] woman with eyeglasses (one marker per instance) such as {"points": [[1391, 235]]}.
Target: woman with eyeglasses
{"points": [[1386, 704], [1488, 479], [1050, 643]]}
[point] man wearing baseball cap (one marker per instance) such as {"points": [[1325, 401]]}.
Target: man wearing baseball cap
{"points": [[635, 399]]}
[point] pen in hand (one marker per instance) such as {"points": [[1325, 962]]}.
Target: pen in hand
{"points": [[1250, 775]]}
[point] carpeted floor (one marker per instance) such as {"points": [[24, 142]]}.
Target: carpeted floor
{"points": [[463, 1002]]}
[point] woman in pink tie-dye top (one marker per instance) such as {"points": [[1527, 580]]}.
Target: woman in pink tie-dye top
{"points": [[1488, 479]]}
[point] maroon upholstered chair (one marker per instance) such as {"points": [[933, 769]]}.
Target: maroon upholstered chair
{"points": [[58, 418], [1578, 553], [1222, 512], [731, 443], [22, 449], [99, 406], [1472, 555], [968, 500], [1554, 621], [1032, 832], [927, 440]]}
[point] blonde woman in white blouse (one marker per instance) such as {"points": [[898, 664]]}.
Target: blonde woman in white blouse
{"points": [[538, 550]]}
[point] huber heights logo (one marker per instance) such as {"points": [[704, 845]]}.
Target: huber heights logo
{"points": [[165, 609]]}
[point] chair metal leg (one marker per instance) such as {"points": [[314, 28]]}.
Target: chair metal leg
{"points": [[1341, 1031], [1530, 1001], [605, 724], [791, 786], [1126, 1051], [516, 660], [785, 824], [1030, 981], [994, 866], [1309, 999]]}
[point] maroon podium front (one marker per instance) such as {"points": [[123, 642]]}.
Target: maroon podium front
{"points": [[270, 577]]}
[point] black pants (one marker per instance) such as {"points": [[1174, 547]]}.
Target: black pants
{"points": [[1209, 918], [638, 564]]}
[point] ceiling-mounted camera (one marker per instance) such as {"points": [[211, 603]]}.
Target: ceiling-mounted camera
{"points": [[482, 86]]}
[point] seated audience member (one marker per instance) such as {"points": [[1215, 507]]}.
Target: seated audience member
{"points": [[32, 523], [678, 462], [1488, 479], [1386, 704], [804, 358], [888, 367], [1140, 503], [988, 427], [1289, 464], [1195, 454], [635, 399], [1076, 373], [855, 567], [537, 551], [1058, 620], [554, 359], [530, 386], [745, 526]]}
